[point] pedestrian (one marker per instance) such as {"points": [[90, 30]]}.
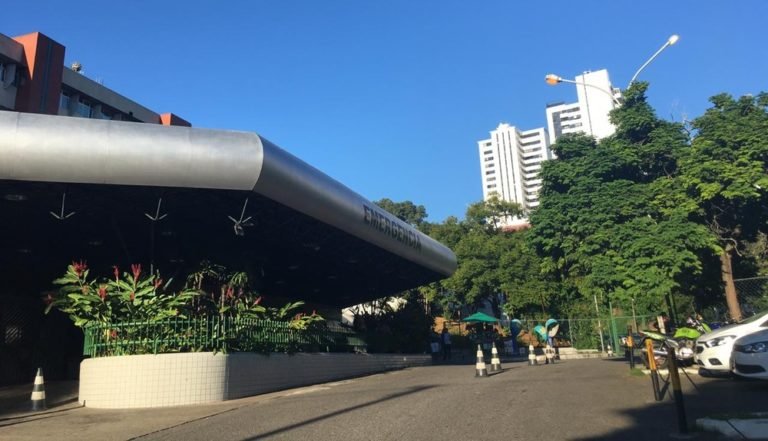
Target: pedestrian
{"points": [[446, 338], [434, 345]]}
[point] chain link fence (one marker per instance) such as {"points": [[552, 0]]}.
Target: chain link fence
{"points": [[590, 333], [753, 294]]}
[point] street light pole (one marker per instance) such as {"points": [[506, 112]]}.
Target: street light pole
{"points": [[553, 79], [670, 41]]}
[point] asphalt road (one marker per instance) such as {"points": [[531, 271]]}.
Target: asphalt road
{"points": [[571, 400]]}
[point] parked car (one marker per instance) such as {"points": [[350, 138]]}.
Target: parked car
{"points": [[713, 349], [750, 355]]}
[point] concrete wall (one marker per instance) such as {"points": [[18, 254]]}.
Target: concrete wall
{"points": [[202, 377]]}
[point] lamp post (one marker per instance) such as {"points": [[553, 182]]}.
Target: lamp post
{"points": [[670, 41], [553, 79]]}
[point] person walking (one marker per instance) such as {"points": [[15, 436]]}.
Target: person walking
{"points": [[446, 340]]}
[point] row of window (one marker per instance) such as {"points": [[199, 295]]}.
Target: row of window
{"points": [[83, 108]]}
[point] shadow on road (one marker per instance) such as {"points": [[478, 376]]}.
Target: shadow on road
{"points": [[289, 427]]}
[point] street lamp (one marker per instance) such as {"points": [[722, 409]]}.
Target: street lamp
{"points": [[670, 41], [553, 79]]}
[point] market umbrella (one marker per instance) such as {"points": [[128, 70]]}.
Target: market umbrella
{"points": [[480, 317]]}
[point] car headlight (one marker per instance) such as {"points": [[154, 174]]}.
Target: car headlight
{"points": [[719, 341], [752, 348]]}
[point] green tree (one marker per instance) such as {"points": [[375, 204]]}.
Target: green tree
{"points": [[604, 225], [406, 211], [725, 174]]}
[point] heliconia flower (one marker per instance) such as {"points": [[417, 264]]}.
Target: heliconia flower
{"points": [[230, 292], [79, 267], [257, 301], [136, 268], [158, 282], [116, 272], [314, 312], [133, 295], [103, 292], [48, 299]]}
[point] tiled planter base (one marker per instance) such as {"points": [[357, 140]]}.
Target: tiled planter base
{"points": [[203, 377]]}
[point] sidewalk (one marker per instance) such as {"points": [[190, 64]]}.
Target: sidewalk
{"points": [[15, 401]]}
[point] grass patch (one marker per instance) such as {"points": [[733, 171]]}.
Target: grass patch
{"points": [[636, 372]]}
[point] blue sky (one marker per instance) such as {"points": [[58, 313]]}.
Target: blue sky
{"points": [[390, 97]]}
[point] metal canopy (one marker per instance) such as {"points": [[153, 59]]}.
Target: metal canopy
{"points": [[116, 193]]}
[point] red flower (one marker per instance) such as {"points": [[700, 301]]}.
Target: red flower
{"points": [[136, 268], [116, 272], [314, 312], [103, 292], [133, 295], [48, 299], [257, 301], [230, 292], [79, 267], [158, 282], [113, 334]]}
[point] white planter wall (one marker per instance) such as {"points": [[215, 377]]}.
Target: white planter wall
{"points": [[203, 377]]}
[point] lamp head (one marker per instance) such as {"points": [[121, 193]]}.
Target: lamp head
{"points": [[552, 79], [673, 39]]}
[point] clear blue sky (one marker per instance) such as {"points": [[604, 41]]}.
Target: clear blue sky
{"points": [[390, 97]]}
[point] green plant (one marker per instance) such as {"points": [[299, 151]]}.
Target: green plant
{"points": [[127, 298]]}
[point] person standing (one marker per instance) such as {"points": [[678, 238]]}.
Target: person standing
{"points": [[446, 340]]}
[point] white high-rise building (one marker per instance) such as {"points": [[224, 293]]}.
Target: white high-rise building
{"points": [[510, 161], [596, 98]]}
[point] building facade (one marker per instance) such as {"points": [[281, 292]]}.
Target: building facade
{"points": [[33, 79], [510, 161], [596, 98]]}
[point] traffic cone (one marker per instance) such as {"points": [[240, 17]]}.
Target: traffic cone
{"points": [[531, 356], [38, 391], [480, 369], [495, 362], [550, 353]]}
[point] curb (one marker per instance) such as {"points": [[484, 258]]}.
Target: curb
{"points": [[738, 428]]}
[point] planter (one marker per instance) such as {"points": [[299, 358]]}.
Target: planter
{"points": [[202, 377]]}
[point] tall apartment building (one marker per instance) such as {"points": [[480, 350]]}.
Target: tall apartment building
{"points": [[510, 161], [33, 79], [596, 98]]}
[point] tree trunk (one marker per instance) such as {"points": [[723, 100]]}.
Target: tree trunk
{"points": [[726, 270]]}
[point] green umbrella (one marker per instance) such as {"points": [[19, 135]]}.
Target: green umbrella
{"points": [[480, 317]]}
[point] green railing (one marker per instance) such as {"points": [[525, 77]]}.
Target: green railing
{"points": [[216, 334]]}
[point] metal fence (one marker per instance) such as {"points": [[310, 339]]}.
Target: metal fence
{"points": [[216, 334], [753, 294], [591, 333]]}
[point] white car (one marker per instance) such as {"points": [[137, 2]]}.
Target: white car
{"points": [[750, 355], [713, 349]]}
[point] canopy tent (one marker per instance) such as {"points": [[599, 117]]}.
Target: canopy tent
{"points": [[480, 317]]}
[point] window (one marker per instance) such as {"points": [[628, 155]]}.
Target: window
{"points": [[64, 101], [491, 186], [490, 172], [488, 152], [84, 109], [492, 178]]}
